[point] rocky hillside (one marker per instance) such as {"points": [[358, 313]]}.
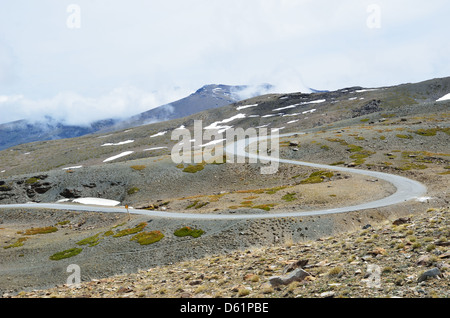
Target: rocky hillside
{"points": [[407, 257], [401, 130]]}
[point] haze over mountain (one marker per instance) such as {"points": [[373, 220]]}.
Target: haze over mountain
{"points": [[48, 128]]}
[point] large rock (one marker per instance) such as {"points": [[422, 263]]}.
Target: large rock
{"points": [[71, 193], [434, 272], [42, 188], [295, 276]]}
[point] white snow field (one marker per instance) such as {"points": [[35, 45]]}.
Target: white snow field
{"points": [[119, 143], [446, 97], [221, 128], [162, 133], [155, 148], [97, 201], [123, 154], [75, 167], [246, 106]]}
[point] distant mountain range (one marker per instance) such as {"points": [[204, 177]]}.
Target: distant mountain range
{"points": [[207, 97]]}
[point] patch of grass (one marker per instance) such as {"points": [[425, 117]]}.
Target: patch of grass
{"points": [[188, 231], [138, 228], [354, 148], [133, 190], [32, 180], [18, 243], [275, 189], [5, 188], [317, 177], [364, 120], [410, 166], [146, 238], [261, 191], [66, 254], [39, 230], [335, 271], [91, 241], [289, 197], [194, 168], [402, 136], [201, 205], [432, 131], [341, 141], [325, 147], [138, 167], [192, 205], [265, 207], [63, 222], [197, 205]]}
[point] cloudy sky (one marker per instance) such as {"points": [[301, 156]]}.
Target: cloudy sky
{"points": [[83, 60]]}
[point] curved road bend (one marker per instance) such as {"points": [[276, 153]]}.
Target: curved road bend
{"points": [[407, 189]]}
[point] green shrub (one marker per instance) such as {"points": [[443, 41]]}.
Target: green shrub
{"points": [[17, 244], [133, 190], [39, 230], [317, 177], [265, 207], [404, 136], [91, 241], [194, 168], [187, 231], [66, 254], [138, 228], [354, 148], [146, 238], [289, 197], [32, 180]]}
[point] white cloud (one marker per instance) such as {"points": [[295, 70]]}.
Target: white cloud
{"points": [[75, 109], [129, 55]]}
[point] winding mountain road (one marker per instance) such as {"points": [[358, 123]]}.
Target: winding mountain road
{"points": [[406, 189]]}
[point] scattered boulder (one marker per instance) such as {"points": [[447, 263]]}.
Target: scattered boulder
{"points": [[328, 294], [298, 264], [371, 107], [434, 272], [401, 221], [71, 193], [30, 193], [42, 188], [296, 276], [424, 260]]}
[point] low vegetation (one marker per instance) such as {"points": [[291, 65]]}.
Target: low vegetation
{"points": [[66, 254], [317, 177], [138, 228], [187, 231], [39, 230], [146, 238]]}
